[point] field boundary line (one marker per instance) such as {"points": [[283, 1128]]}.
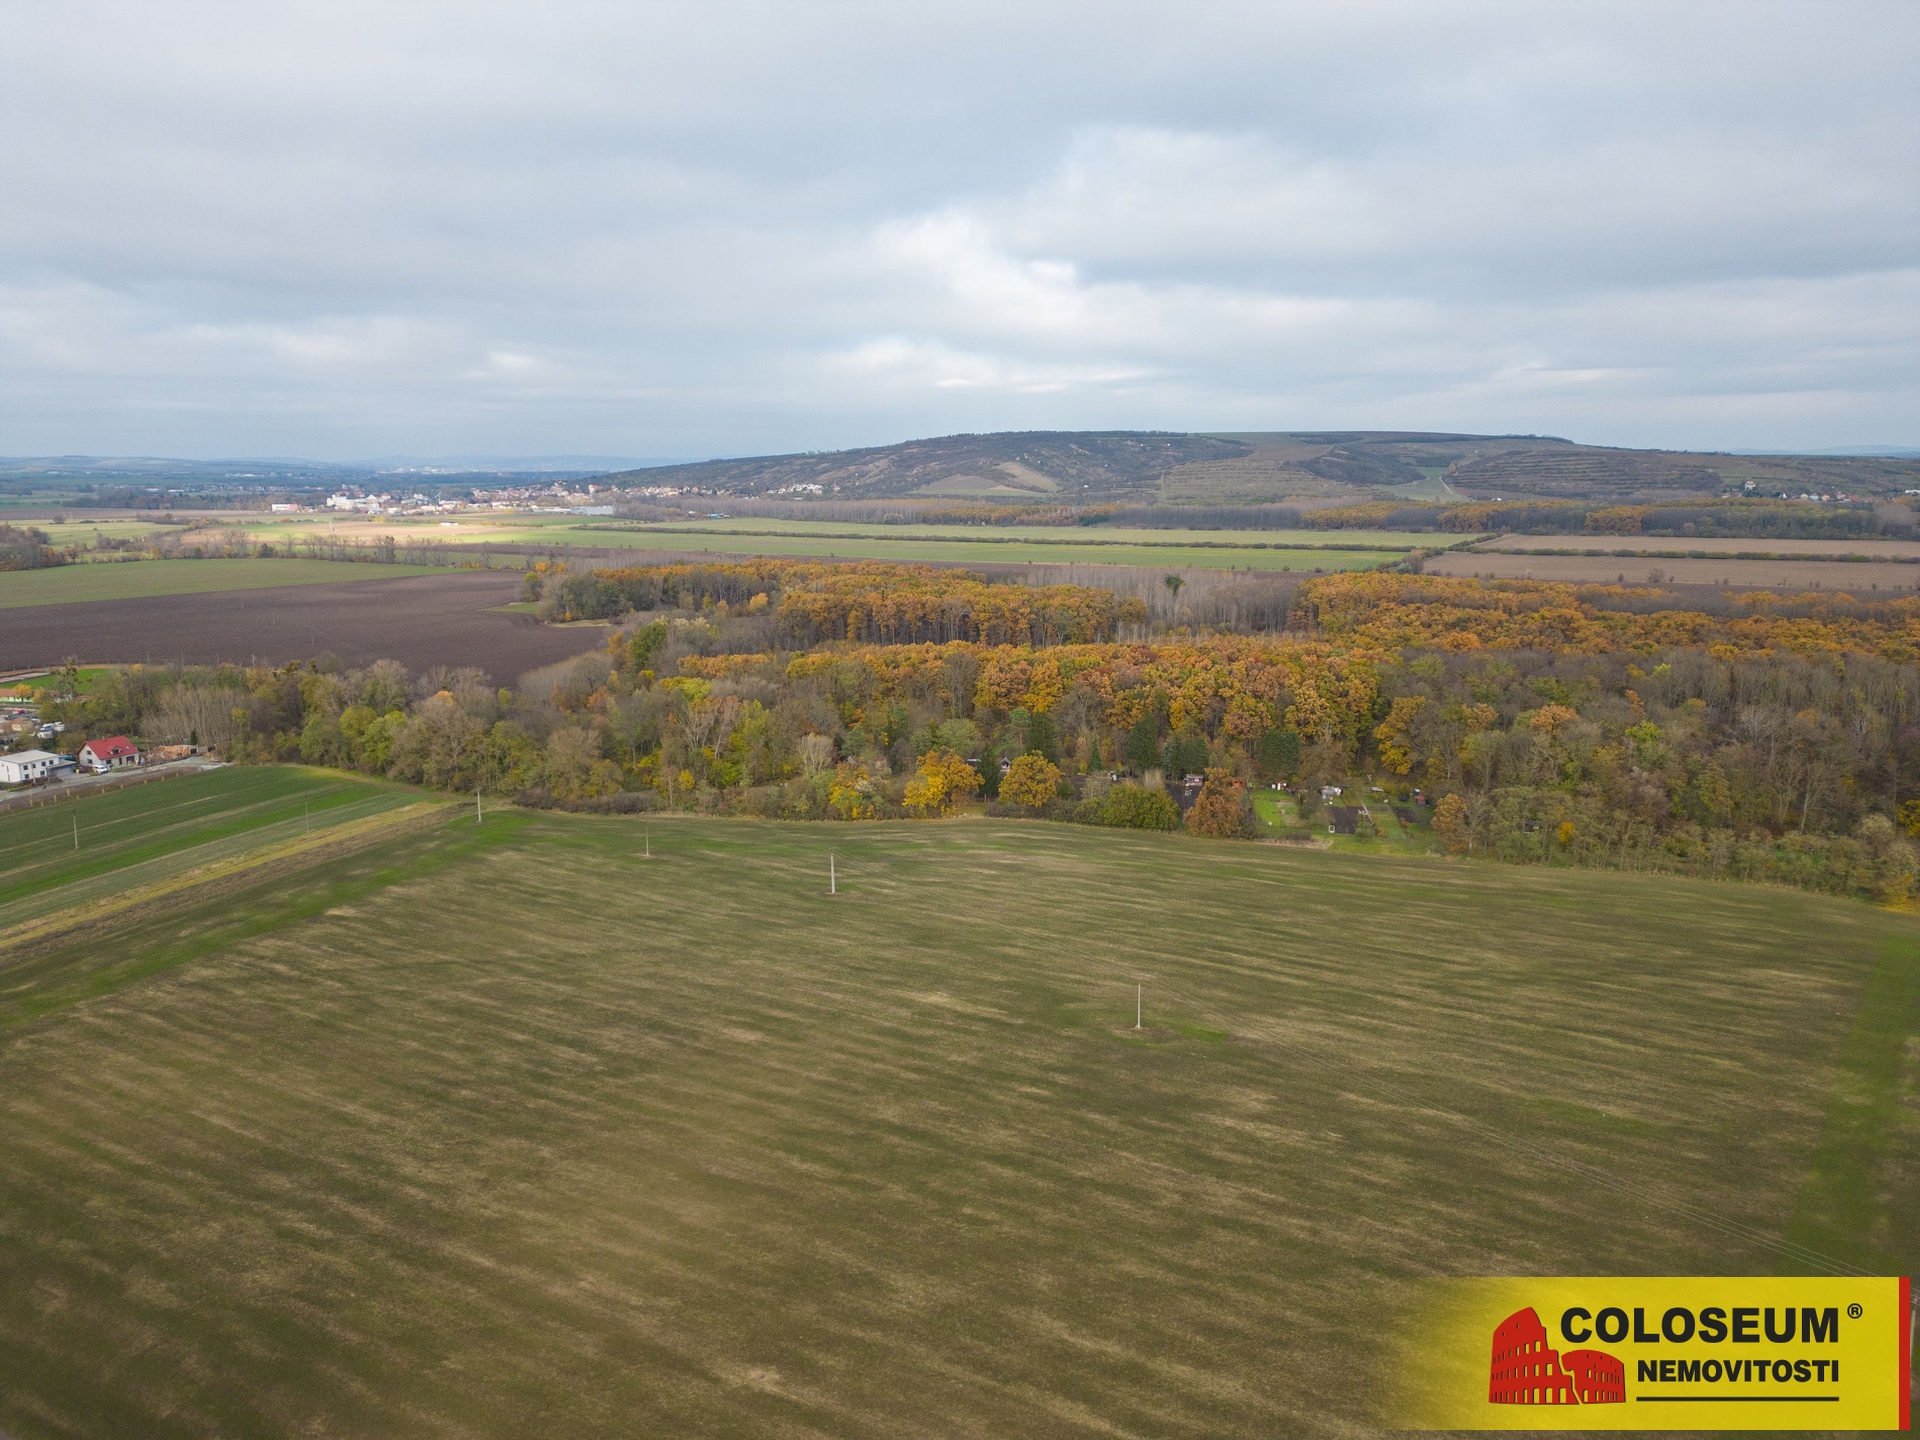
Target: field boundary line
{"points": [[79, 916]]}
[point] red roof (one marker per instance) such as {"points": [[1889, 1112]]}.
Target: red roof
{"points": [[114, 747]]}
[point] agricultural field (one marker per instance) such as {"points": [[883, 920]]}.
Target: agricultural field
{"points": [[142, 579], [1851, 576], [963, 552], [1695, 545], [103, 848], [503, 1128], [372, 612], [85, 530], [1073, 535], [1279, 550]]}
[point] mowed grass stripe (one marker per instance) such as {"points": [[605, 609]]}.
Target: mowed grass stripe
{"points": [[137, 835], [559, 1139], [81, 911]]}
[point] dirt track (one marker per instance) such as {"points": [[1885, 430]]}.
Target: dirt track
{"points": [[420, 621]]}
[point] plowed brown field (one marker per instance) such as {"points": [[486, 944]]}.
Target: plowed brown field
{"points": [[1854, 577], [420, 621], [1717, 545]]}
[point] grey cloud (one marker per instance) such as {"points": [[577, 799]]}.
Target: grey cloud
{"points": [[347, 229]]}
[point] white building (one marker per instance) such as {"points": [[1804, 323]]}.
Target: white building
{"points": [[27, 765], [116, 752]]}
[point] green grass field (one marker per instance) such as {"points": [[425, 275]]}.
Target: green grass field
{"points": [[142, 579], [72, 852], [1188, 549], [52, 685], [82, 531], [1183, 557], [1041, 534], [501, 1129]]}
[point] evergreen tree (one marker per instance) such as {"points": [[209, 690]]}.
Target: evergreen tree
{"points": [[1278, 754], [1043, 738], [1143, 744]]}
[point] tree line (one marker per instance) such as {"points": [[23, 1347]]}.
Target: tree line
{"points": [[25, 547], [813, 603]]}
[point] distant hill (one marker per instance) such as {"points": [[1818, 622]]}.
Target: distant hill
{"points": [[1089, 467], [1057, 465]]}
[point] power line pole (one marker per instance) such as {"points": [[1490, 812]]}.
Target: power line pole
{"points": [[1138, 990], [833, 883], [76, 831]]}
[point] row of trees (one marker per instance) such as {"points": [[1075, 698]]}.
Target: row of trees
{"points": [[874, 603], [1392, 611], [236, 544], [25, 547]]}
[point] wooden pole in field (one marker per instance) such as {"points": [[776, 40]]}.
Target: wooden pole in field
{"points": [[1138, 990], [76, 831], [833, 883], [647, 831], [476, 807]]}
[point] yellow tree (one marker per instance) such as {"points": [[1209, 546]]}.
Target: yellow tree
{"points": [[852, 793], [943, 779], [1032, 781], [1450, 823], [1395, 733]]}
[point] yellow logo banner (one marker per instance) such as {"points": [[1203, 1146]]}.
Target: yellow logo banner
{"points": [[1613, 1353]]}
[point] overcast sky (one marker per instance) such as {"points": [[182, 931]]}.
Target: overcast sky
{"points": [[342, 230]]}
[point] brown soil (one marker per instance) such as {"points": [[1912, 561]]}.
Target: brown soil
{"points": [[421, 621], [1854, 577], [1716, 544]]}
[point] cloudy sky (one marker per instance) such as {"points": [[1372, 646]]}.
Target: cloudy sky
{"points": [[342, 230]]}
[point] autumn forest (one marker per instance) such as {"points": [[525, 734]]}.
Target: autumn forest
{"points": [[1758, 736]]}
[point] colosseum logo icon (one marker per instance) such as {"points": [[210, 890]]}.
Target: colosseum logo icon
{"points": [[1525, 1371]]}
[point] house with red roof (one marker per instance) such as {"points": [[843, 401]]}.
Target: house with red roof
{"points": [[115, 752]]}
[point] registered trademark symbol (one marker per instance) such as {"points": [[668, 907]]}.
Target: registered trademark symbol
{"points": [[1853, 1312]]}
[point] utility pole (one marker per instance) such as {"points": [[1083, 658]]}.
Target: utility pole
{"points": [[833, 883], [76, 832], [476, 806], [1138, 990]]}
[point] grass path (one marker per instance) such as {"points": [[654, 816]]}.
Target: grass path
{"points": [[503, 1129]]}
